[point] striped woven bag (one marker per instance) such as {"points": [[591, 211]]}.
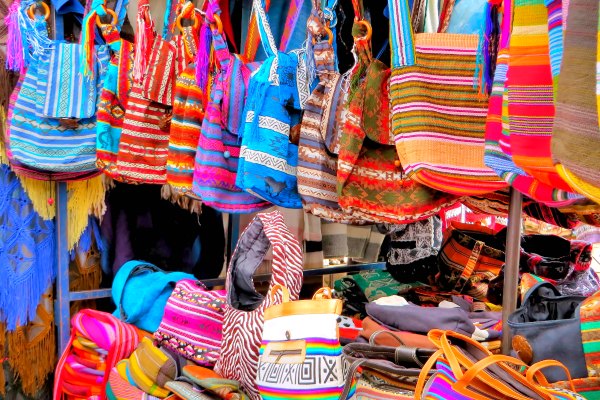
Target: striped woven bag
{"points": [[576, 133], [440, 139], [322, 124], [217, 147], [371, 181], [143, 149]]}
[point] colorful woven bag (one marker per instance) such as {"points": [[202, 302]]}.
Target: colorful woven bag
{"points": [[193, 322], [277, 93], [246, 307], [113, 102], [576, 133], [371, 181], [50, 132], [95, 335], [439, 139], [143, 149], [322, 124], [218, 148]]}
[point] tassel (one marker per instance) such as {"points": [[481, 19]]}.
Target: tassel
{"points": [[144, 39], [88, 38], [194, 206], [84, 197], [14, 43], [203, 56]]}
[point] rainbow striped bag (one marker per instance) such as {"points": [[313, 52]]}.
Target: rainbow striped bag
{"points": [[439, 139], [301, 355]]}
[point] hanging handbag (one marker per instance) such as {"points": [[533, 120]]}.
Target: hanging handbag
{"points": [[467, 370], [218, 148], [300, 340], [371, 182], [322, 123], [141, 290], [439, 139], [51, 132], [245, 306], [113, 102], [385, 372], [277, 93], [143, 148], [193, 322]]}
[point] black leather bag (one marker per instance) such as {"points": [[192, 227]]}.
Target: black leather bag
{"points": [[548, 326]]}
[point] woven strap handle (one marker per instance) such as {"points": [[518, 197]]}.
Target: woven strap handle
{"points": [[401, 34]]}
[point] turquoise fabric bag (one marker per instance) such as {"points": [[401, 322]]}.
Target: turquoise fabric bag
{"points": [[141, 290]]}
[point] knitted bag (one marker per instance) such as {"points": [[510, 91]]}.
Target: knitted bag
{"points": [[50, 132], [113, 102], [143, 148], [97, 334], [276, 94], [439, 139], [576, 133], [193, 322], [218, 149], [240, 348], [322, 123], [371, 183]]}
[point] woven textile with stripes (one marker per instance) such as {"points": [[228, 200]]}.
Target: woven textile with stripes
{"points": [[439, 138], [576, 139], [246, 307], [217, 147]]}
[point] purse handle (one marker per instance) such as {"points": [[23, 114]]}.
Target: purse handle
{"points": [[402, 45], [284, 292]]}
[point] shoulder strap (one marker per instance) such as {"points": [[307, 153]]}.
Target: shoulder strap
{"points": [[252, 36], [264, 29], [401, 34], [290, 24]]}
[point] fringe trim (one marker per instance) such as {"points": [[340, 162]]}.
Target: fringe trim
{"points": [[41, 194], [2, 354], [32, 360], [85, 197], [194, 206]]}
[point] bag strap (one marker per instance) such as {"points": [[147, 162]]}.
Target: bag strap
{"points": [[264, 29], [382, 332], [290, 24], [536, 377], [252, 36], [402, 44]]}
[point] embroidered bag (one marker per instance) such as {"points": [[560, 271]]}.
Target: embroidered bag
{"points": [[245, 306], [371, 183], [50, 132], [440, 139], [276, 94], [193, 322], [218, 148], [143, 149], [113, 102], [322, 123], [188, 113], [300, 339]]}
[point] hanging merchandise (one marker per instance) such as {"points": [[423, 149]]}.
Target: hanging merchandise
{"points": [[576, 132], [440, 139], [51, 132], [277, 93], [193, 322], [188, 111], [113, 102], [246, 307], [143, 149], [218, 145], [371, 183], [468, 370], [97, 336], [301, 339], [322, 124], [141, 291]]}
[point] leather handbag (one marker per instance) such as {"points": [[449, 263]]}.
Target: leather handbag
{"points": [[277, 93], [193, 322], [386, 372], [144, 144], [50, 132], [141, 291], [218, 148], [245, 306], [370, 179], [301, 339], [470, 257], [439, 139], [467, 370]]}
